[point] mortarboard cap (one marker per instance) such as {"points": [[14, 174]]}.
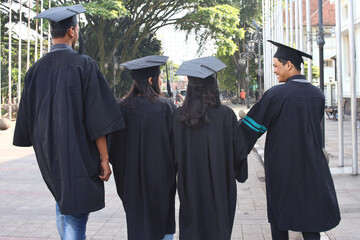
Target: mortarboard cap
{"points": [[289, 54], [145, 67], [200, 67], [62, 18], [145, 62]]}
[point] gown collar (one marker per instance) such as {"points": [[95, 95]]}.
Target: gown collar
{"points": [[297, 78], [60, 47]]}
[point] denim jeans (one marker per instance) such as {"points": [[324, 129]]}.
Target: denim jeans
{"points": [[168, 237], [71, 227]]}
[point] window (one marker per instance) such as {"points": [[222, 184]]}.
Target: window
{"points": [[328, 63]]}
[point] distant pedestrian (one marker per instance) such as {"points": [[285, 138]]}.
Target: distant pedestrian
{"points": [[141, 154], [210, 154], [242, 97], [256, 95], [179, 98], [299, 187], [65, 112]]}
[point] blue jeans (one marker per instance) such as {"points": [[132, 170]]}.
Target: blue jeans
{"points": [[168, 237], [71, 227]]}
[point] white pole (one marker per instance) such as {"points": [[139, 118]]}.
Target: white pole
{"points": [[281, 21], [263, 45], [309, 39], [353, 87], [301, 25], [49, 33], [10, 61], [297, 24], [286, 22], [276, 18], [339, 82], [36, 31], [265, 38], [41, 31], [273, 14], [19, 60], [291, 24], [301, 35], [0, 71], [28, 39]]}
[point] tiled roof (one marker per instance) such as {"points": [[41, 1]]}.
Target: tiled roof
{"points": [[328, 13]]}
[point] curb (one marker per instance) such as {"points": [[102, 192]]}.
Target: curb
{"points": [[259, 151]]}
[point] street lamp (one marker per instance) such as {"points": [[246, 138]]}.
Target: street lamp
{"points": [[244, 59], [247, 56], [321, 42], [258, 60]]}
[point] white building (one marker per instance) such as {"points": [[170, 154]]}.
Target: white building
{"points": [[345, 50]]}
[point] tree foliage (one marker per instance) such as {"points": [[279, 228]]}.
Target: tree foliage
{"points": [[315, 71], [116, 31], [248, 10], [219, 23]]}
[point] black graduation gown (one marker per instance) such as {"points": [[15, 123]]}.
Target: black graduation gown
{"points": [[299, 186], [66, 105], [209, 158], [144, 169]]}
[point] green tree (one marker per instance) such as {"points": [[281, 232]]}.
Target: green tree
{"points": [[315, 71], [115, 31], [219, 23], [248, 10]]}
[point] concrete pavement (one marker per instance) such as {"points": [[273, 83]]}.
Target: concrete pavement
{"points": [[27, 209]]}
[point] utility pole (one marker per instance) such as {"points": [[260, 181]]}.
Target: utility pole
{"points": [[321, 42]]}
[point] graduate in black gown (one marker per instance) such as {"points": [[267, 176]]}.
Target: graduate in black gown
{"points": [[299, 187], [210, 152], [65, 112], [141, 154]]}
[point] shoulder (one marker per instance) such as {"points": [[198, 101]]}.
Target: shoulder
{"points": [[317, 91], [275, 90], [82, 59], [274, 93], [226, 109], [223, 111], [167, 103]]}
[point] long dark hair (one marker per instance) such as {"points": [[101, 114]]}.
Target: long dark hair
{"points": [[142, 87], [201, 95]]}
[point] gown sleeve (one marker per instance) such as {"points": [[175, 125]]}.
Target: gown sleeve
{"points": [[258, 120], [240, 156], [22, 132], [102, 115]]}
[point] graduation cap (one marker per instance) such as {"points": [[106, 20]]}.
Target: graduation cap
{"points": [[62, 18], [200, 67], [289, 54], [145, 67]]}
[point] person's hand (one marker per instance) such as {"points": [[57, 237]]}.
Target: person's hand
{"points": [[105, 170]]}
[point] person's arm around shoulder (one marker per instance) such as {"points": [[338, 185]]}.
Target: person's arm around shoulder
{"points": [[104, 164]]}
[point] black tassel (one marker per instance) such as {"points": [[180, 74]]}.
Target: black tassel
{"points": [[168, 87]]}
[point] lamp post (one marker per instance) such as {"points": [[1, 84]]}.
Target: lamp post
{"points": [[258, 60], [245, 58], [321, 42]]}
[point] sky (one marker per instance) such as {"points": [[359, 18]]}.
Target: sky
{"points": [[178, 49]]}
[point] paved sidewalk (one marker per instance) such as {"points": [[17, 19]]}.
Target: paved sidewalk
{"points": [[27, 208]]}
